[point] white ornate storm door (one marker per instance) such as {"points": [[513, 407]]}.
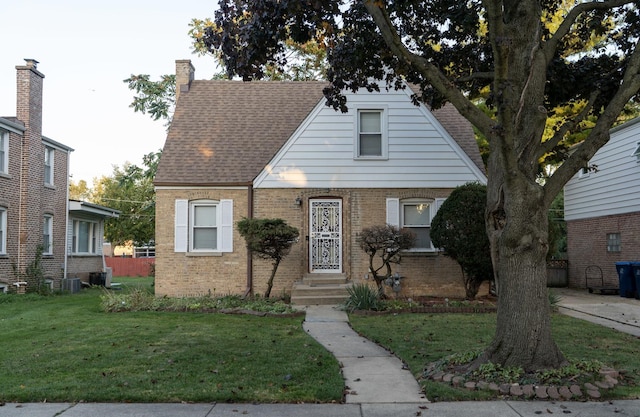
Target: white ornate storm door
{"points": [[325, 236]]}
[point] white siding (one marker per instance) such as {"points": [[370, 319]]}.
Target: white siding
{"points": [[320, 154], [615, 187]]}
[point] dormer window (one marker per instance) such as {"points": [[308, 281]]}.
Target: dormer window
{"points": [[371, 137]]}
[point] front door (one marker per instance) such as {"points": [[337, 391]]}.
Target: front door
{"points": [[325, 236]]}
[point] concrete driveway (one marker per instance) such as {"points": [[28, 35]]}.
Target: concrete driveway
{"points": [[613, 311]]}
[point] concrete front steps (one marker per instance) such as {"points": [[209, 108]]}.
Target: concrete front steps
{"points": [[320, 289]]}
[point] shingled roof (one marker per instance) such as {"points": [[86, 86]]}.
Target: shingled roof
{"points": [[225, 132]]}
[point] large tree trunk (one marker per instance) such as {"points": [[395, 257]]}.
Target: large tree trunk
{"points": [[519, 237], [517, 206]]}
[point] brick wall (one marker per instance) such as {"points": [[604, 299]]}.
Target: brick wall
{"points": [[180, 274], [23, 192], [587, 245], [80, 266], [10, 200]]}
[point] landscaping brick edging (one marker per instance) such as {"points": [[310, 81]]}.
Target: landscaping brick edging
{"points": [[435, 309], [259, 313], [540, 392]]}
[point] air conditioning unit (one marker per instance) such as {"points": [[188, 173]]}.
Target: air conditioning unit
{"points": [[71, 285]]}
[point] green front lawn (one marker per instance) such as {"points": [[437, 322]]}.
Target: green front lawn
{"points": [[65, 348], [420, 339]]}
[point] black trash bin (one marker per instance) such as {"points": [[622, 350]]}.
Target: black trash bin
{"points": [[635, 266], [626, 278], [98, 278]]}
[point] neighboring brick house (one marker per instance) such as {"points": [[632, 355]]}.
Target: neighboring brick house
{"points": [[274, 149], [602, 208], [33, 188]]}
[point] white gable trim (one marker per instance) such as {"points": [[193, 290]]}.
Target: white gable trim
{"points": [[290, 141], [445, 134]]}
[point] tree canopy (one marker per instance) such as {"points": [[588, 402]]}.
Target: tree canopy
{"points": [[504, 53], [305, 62], [130, 190]]}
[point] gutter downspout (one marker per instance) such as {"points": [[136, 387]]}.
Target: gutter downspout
{"points": [[249, 290], [66, 226]]}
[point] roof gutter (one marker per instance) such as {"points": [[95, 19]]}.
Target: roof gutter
{"points": [[249, 290]]}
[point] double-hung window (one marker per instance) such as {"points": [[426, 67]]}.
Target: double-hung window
{"points": [[4, 152], [47, 234], [614, 242], [48, 165], [85, 237], [3, 230], [414, 214], [203, 226], [204, 223], [371, 135]]}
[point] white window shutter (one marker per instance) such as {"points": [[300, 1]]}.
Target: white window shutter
{"points": [[181, 226], [437, 205], [226, 225], [393, 212]]}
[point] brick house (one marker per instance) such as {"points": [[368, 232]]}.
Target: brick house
{"points": [[33, 188], [274, 149], [602, 208]]}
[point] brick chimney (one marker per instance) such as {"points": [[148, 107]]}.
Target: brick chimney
{"points": [[29, 96], [185, 73]]}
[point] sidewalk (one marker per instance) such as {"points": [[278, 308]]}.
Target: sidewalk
{"points": [[445, 409]]}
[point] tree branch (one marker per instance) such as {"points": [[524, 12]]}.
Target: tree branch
{"points": [[476, 76], [599, 135], [438, 80], [550, 47], [568, 126]]}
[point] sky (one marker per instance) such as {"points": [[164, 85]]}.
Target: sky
{"points": [[85, 50]]}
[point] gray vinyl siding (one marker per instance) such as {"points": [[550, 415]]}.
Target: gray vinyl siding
{"points": [[321, 154], [615, 187]]}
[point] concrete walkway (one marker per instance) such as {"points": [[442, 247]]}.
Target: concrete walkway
{"points": [[371, 374]]}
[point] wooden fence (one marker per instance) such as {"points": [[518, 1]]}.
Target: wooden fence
{"points": [[130, 267]]}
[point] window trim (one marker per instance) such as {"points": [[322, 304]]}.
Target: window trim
{"points": [[94, 230], [3, 230], [47, 223], [395, 216], [614, 242], [192, 227], [636, 152], [49, 164], [183, 231], [4, 152], [384, 136]]}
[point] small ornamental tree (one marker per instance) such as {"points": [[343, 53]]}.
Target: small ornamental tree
{"points": [[459, 228], [268, 239], [384, 243]]}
